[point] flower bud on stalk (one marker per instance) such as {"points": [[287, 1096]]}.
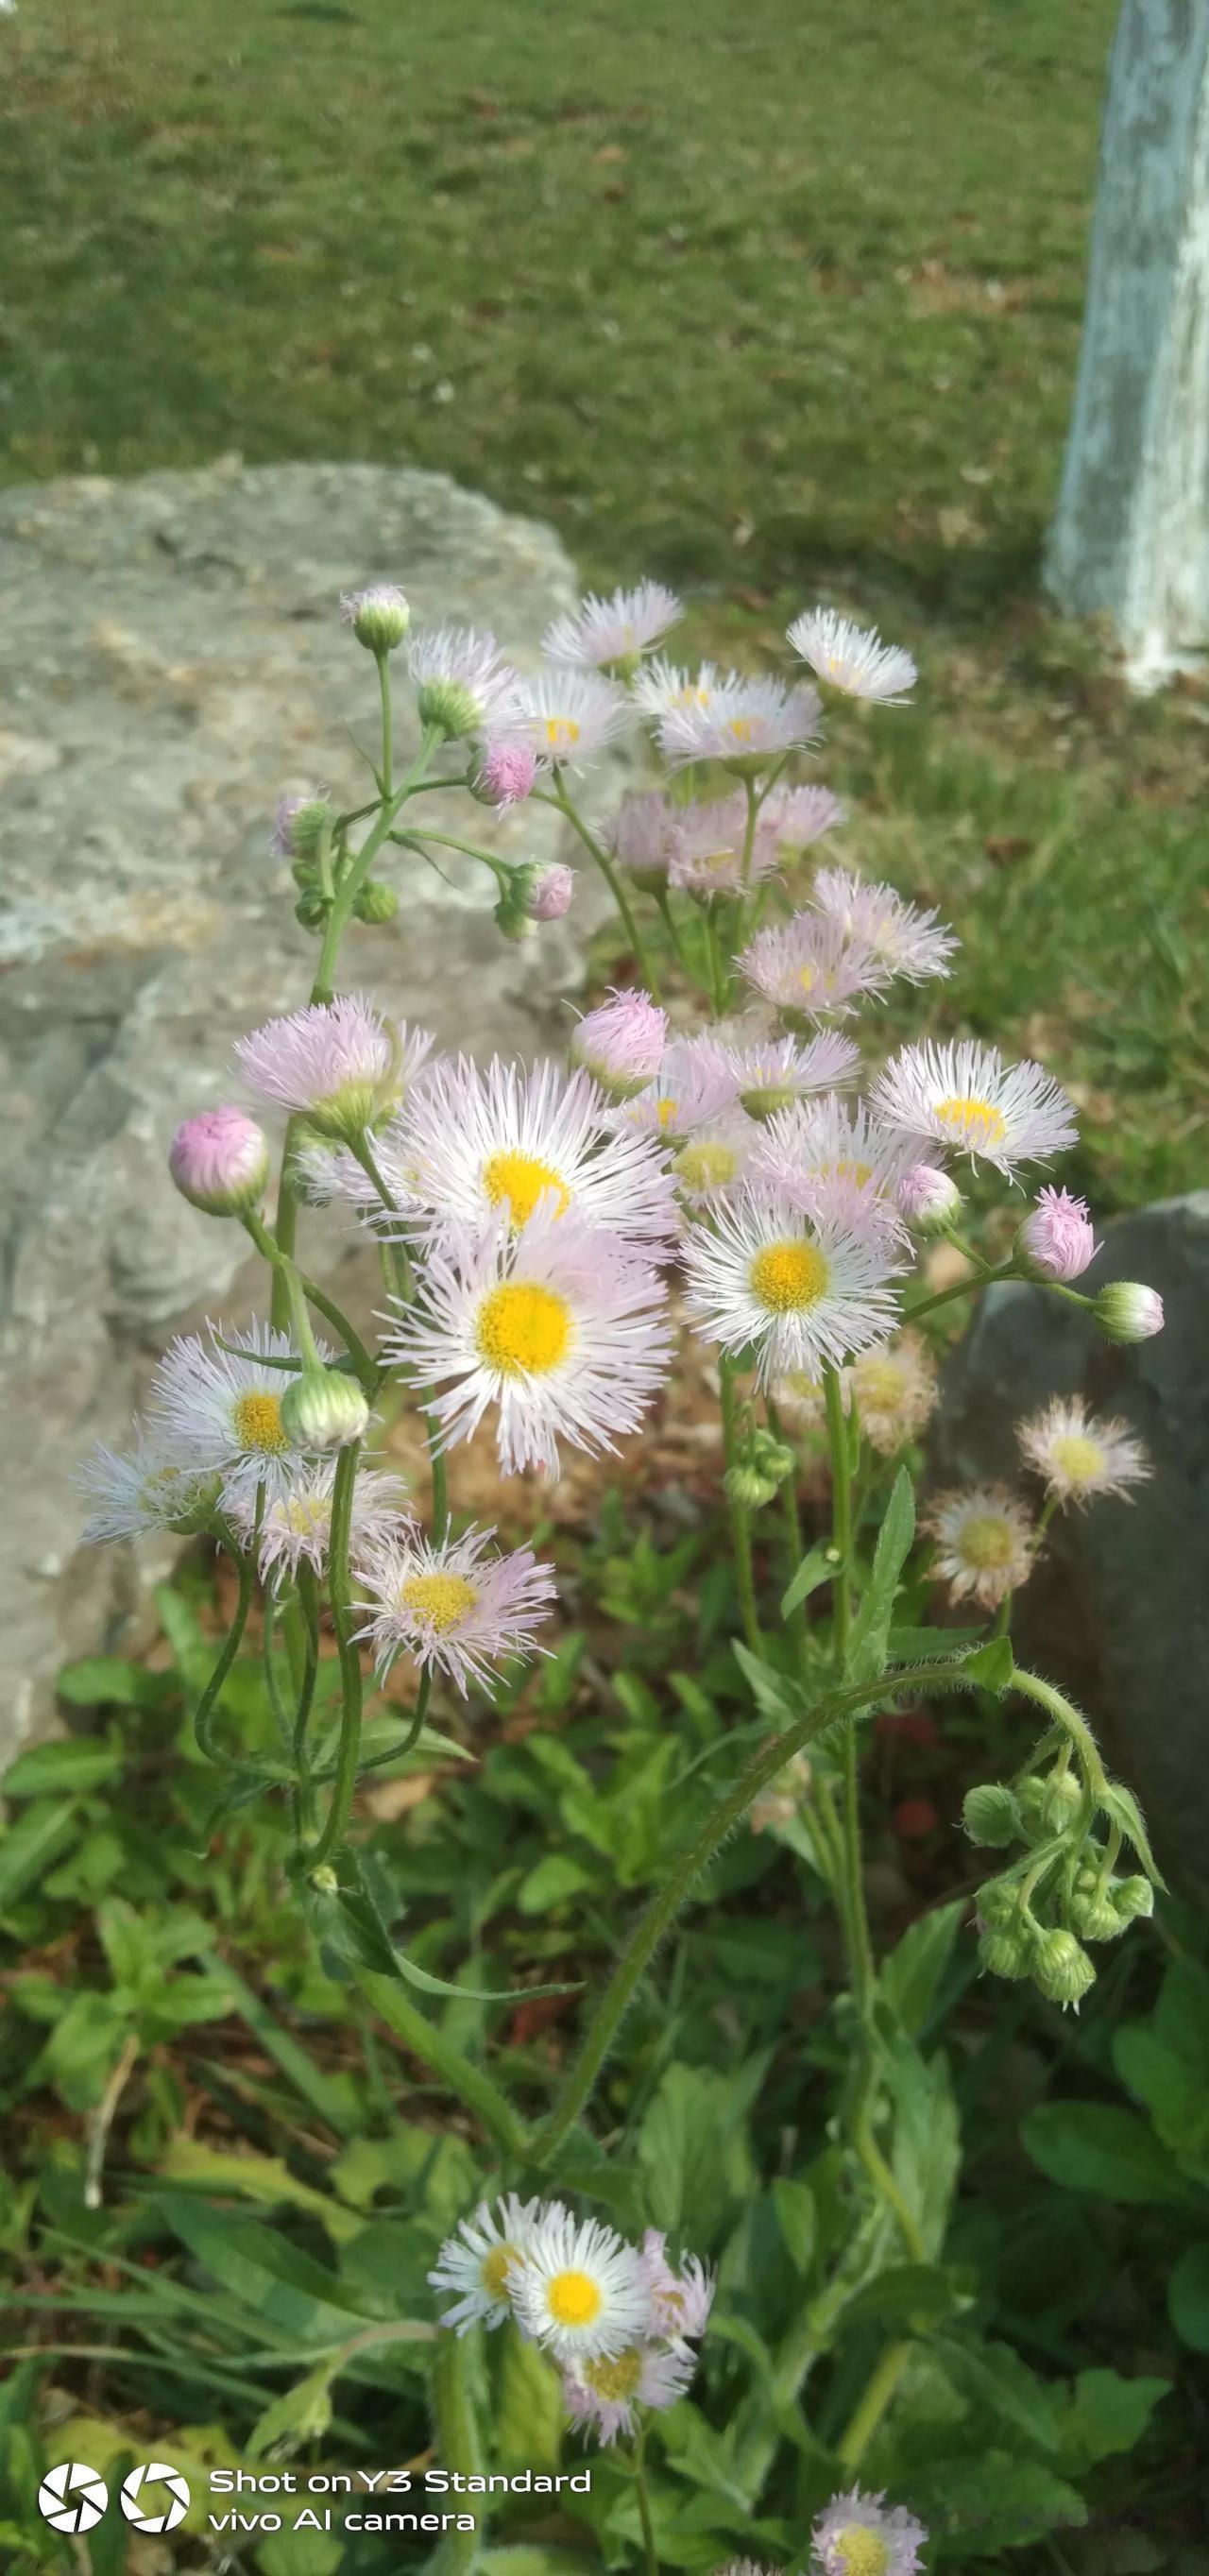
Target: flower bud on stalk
{"points": [[1061, 1969], [990, 1814], [505, 774], [1093, 1911], [1055, 1241], [379, 616], [321, 1409], [1127, 1312], [300, 821], [1007, 1951], [375, 902], [928, 1199], [220, 1162], [621, 1044], [1134, 1899]]}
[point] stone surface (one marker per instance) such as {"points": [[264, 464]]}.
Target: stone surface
{"points": [[1119, 1610], [172, 658]]}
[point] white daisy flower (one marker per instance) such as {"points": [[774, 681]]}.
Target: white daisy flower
{"points": [[695, 1083], [661, 687], [853, 658], [477, 1144], [801, 1398], [341, 1064], [709, 846], [600, 631], [985, 1543], [715, 1157], [966, 1097], [831, 1139], [569, 717], [464, 684], [774, 1072], [555, 1327], [860, 2535], [910, 941], [747, 723], [138, 1491], [219, 1411], [1079, 1455], [811, 965], [296, 1525], [802, 1291], [643, 836], [479, 2264], [462, 1606], [794, 817], [604, 2393], [581, 2291], [895, 1390]]}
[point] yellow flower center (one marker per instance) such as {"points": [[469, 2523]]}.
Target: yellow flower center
{"points": [[574, 2299], [880, 1384], [523, 1329], [305, 1515], [562, 734], [843, 1168], [739, 728], [522, 1180], [861, 2552], [807, 1389], [496, 2267], [789, 1277], [986, 1543], [1078, 1457], [667, 1112], [258, 1425], [976, 1122], [617, 2380], [706, 1166], [442, 1600]]}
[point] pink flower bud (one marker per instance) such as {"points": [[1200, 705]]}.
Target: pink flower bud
{"points": [[622, 1043], [505, 774], [1055, 1240], [551, 896], [220, 1162], [928, 1199]]}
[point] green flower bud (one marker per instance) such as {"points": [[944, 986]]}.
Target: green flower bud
{"points": [[1127, 1312], [454, 710], [312, 911], [379, 616], [375, 902], [1007, 1952], [324, 1880], [1093, 1910], [1061, 1969], [997, 1903], [1134, 1899], [323, 1410], [1060, 1801], [745, 1485], [514, 912], [990, 1814]]}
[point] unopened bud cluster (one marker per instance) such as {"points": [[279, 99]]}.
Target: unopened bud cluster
{"points": [[1034, 1920], [759, 1471]]}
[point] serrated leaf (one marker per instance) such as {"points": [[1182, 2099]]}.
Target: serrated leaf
{"points": [[991, 2502], [910, 1977], [1107, 2414], [28, 1847], [869, 1646], [820, 1566], [302, 2414], [992, 1666], [1121, 1807]]}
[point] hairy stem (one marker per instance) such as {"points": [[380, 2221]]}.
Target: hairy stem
{"points": [[340, 1597], [740, 1518], [468, 2082], [612, 880]]}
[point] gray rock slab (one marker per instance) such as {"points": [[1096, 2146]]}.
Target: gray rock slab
{"points": [[172, 659], [1118, 1612]]}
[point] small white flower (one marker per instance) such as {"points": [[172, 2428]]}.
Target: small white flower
{"points": [[218, 1411], [479, 1144], [803, 1291], [910, 941], [681, 2299], [831, 1139], [462, 1605], [774, 1072], [295, 1526], [139, 1491], [985, 1543], [1080, 1455], [568, 717], [600, 631], [661, 687], [479, 2264], [967, 1098], [581, 2291], [604, 2393], [747, 722], [793, 817], [810, 965], [859, 2535], [464, 685], [853, 658]]}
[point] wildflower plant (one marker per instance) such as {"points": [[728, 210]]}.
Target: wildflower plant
{"points": [[738, 1159]]}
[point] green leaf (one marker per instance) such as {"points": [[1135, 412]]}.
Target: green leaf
{"points": [[302, 2414], [252, 2177], [794, 2205], [820, 1566], [28, 1848], [926, 2150], [533, 2558], [992, 1666], [76, 1762], [104, 1681], [555, 1878], [910, 1977], [373, 1947], [871, 1632], [289, 2293], [1188, 2297], [1096, 2147], [1121, 1807], [775, 1695], [975, 2506], [914, 2294], [527, 2417], [1107, 2414], [995, 2378]]}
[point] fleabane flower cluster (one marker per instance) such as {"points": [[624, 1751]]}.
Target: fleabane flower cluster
{"points": [[620, 2322]]}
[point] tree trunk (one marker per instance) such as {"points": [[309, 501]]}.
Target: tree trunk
{"points": [[1131, 536]]}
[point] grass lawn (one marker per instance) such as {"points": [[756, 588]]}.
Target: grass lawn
{"points": [[775, 302]]}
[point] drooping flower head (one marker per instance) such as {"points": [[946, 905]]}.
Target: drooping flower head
{"points": [[1080, 1455], [379, 615], [568, 718], [774, 1072], [985, 1543], [506, 774], [910, 940], [604, 631], [811, 965], [621, 1043], [860, 2535], [137, 1491], [299, 820], [581, 2291], [478, 2265], [296, 1523], [602, 2394], [461, 1606], [853, 658], [965, 1097], [480, 1142], [804, 1291], [220, 1162], [1056, 1239], [680, 2299], [563, 1335], [746, 724], [218, 1411], [341, 1063], [895, 1391], [465, 686], [552, 893]]}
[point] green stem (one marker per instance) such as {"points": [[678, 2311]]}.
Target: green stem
{"points": [[387, 781], [960, 1288], [841, 1512], [207, 1706], [740, 1520], [308, 1597], [457, 2445], [644, 2507], [340, 1597], [665, 1906], [1060, 1712], [285, 1269], [445, 841], [612, 880], [718, 979], [754, 801], [323, 988], [489, 2106], [395, 1254], [863, 2423], [269, 1665]]}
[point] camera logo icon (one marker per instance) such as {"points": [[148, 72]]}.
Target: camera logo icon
{"points": [[163, 2507], [72, 2498]]}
